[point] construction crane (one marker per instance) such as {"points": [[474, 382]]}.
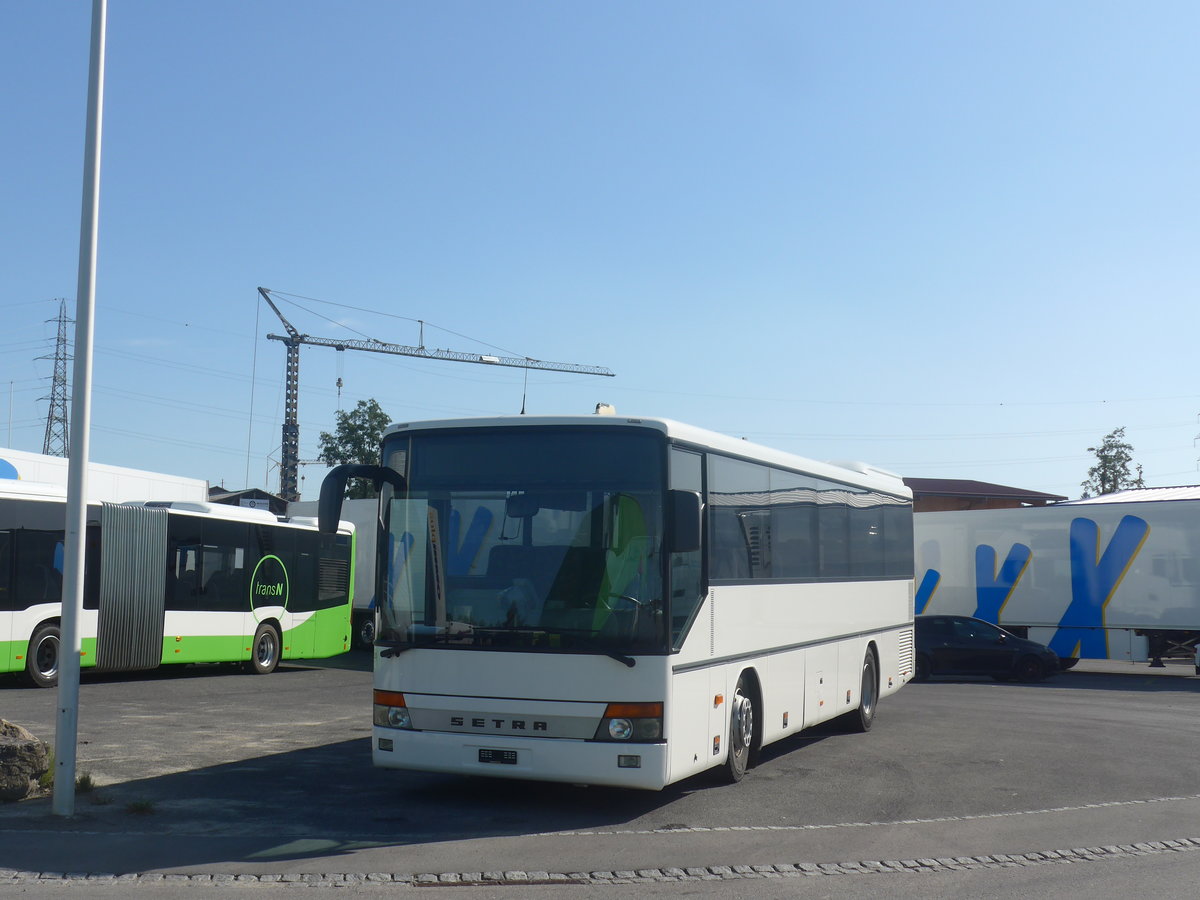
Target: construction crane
{"points": [[290, 451]]}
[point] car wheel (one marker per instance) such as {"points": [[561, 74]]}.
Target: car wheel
{"points": [[264, 652], [41, 662], [741, 733], [1029, 669]]}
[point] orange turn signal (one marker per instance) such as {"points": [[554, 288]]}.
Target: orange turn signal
{"points": [[634, 711]]}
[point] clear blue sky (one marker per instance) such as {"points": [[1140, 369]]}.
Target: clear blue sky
{"points": [[952, 239]]}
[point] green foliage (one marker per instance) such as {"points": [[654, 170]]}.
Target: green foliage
{"points": [[356, 440], [1111, 471], [46, 780], [140, 807]]}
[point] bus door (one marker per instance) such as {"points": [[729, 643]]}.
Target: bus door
{"points": [[129, 631]]}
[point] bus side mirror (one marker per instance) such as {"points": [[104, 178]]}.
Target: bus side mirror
{"points": [[333, 489], [684, 512]]}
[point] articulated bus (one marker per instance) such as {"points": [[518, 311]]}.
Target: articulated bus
{"points": [[625, 602], [170, 582]]}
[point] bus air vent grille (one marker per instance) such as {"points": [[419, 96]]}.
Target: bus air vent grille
{"points": [[906, 650]]}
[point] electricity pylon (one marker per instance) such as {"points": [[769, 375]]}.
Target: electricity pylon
{"points": [[55, 442]]}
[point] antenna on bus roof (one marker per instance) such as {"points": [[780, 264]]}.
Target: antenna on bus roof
{"points": [[605, 409]]}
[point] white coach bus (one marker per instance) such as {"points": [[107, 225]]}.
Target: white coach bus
{"points": [[627, 602]]}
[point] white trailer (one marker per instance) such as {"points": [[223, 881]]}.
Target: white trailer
{"points": [[115, 484], [1115, 577]]}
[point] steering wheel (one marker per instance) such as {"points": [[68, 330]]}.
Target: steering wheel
{"points": [[631, 601]]}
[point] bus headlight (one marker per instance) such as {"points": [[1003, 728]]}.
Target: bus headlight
{"points": [[631, 722], [620, 729], [390, 710]]}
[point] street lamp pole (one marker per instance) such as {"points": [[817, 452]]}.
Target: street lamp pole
{"points": [[66, 732]]}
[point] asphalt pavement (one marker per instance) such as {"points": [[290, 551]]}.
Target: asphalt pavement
{"points": [[163, 820]]}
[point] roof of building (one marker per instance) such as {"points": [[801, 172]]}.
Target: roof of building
{"points": [[1144, 495], [220, 493], [958, 487]]}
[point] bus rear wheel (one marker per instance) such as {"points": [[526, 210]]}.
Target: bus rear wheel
{"points": [[41, 662], [264, 653], [364, 632]]}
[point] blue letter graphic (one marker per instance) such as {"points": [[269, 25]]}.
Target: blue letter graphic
{"points": [[460, 556], [992, 587], [925, 591], [1094, 580]]}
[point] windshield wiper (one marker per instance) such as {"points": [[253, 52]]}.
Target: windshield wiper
{"points": [[392, 647], [622, 658]]}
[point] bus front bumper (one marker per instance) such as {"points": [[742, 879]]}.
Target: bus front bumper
{"points": [[547, 759]]}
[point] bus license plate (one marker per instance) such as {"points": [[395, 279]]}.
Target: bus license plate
{"points": [[504, 757]]}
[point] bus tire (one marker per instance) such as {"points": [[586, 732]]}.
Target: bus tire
{"points": [[364, 631], [264, 652], [41, 662], [862, 718], [741, 732]]}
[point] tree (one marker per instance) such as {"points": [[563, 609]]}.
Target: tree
{"points": [[1111, 471], [356, 440]]}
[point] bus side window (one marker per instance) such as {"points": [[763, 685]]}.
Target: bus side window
{"points": [[183, 578], [91, 567], [35, 578], [222, 566], [686, 583], [6, 594]]}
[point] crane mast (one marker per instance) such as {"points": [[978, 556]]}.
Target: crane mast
{"points": [[290, 448]]}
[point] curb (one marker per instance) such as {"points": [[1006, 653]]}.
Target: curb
{"points": [[618, 876]]}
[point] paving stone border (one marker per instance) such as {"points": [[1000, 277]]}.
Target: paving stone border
{"points": [[629, 876]]}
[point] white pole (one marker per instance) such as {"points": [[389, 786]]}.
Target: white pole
{"points": [[66, 733]]}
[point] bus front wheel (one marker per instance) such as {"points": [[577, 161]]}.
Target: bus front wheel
{"points": [[741, 732], [264, 654], [862, 718], [41, 663]]}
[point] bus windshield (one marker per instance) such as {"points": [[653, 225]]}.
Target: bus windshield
{"points": [[530, 540]]}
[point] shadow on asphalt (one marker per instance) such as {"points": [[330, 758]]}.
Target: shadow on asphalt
{"points": [[1129, 682], [307, 803], [329, 800]]}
